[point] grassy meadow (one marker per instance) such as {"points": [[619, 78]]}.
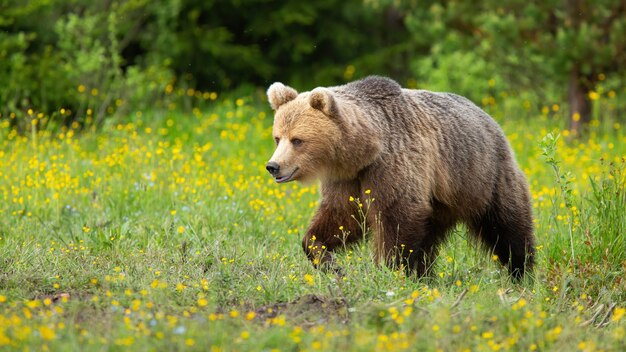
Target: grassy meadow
{"points": [[165, 232]]}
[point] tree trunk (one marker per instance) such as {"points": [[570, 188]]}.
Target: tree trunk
{"points": [[580, 106]]}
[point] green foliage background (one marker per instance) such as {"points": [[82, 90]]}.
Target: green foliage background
{"points": [[108, 57]]}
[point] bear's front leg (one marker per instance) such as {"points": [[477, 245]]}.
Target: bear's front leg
{"points": [[409, 237], [332, 226]]}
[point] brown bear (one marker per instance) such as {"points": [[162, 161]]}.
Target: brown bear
{"points": [[429, 159]]}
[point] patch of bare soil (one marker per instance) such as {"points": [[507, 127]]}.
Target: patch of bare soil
{"points": [[308, 310]]}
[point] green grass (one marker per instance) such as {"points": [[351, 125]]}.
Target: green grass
{"points": [[165, 233]]}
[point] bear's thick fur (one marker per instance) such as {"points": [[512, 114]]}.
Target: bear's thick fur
{"points": [[430, 160]]}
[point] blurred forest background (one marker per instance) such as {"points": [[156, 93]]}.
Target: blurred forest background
{"points": [[83, 61]]}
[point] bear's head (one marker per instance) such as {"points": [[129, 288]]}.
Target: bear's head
{"points": [[318, 135]]}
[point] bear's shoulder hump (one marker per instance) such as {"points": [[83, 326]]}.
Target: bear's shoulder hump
{"points": [[375, 87]]}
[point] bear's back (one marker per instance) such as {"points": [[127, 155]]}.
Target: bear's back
{"points": [[453, 109]]}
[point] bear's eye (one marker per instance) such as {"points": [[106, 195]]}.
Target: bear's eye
{"points": [[276, 140], [296, 142]]}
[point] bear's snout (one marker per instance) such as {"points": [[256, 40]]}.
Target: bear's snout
{"points": [[273, 168]]}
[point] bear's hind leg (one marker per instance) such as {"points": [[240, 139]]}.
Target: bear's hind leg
{"points": [[507, 230]]}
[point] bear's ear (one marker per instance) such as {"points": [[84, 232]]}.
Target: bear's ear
{"points": [[322, 99], [279, 94]]}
